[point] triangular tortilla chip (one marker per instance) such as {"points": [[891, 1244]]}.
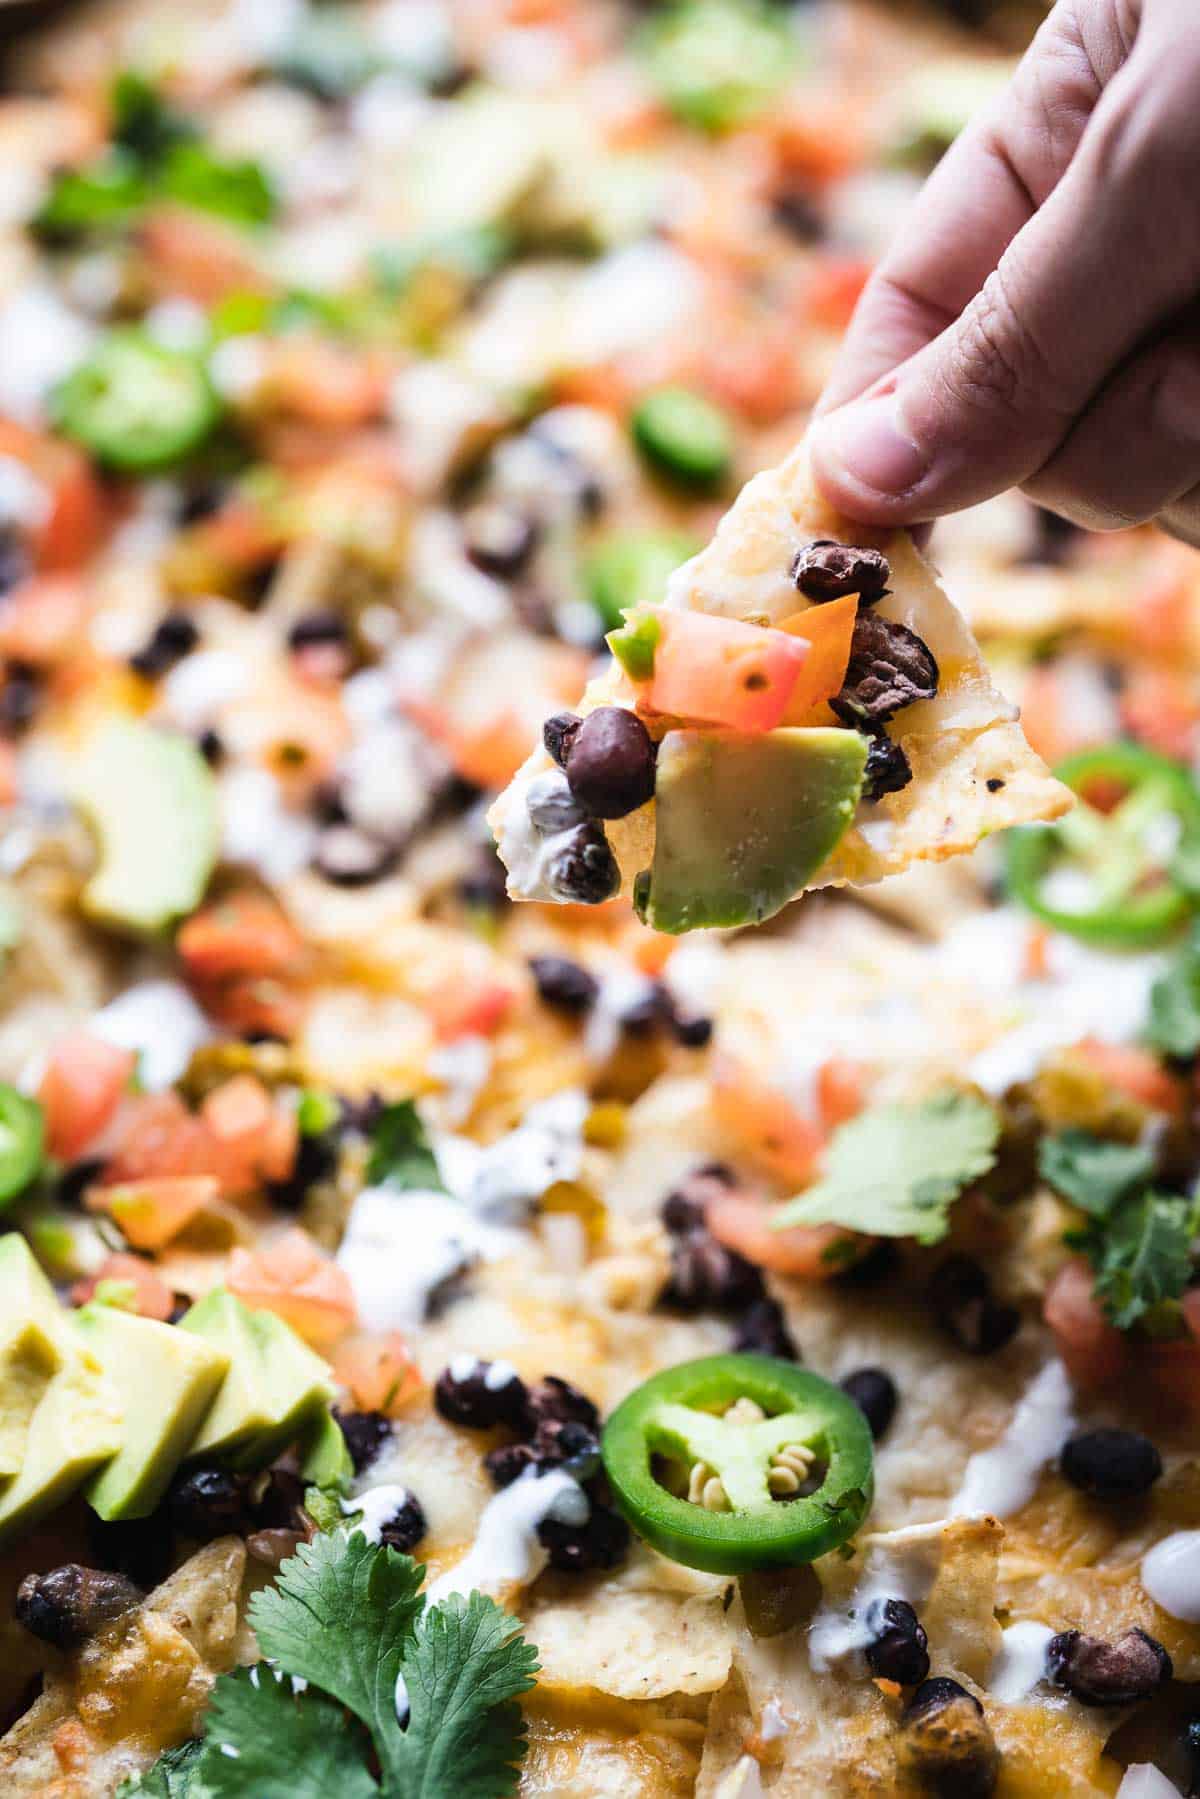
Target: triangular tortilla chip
{"points": [[973, 771]]}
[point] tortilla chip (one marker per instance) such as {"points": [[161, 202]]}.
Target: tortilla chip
{"points": [[583, 1745], [135, 1689], [973, 771]]}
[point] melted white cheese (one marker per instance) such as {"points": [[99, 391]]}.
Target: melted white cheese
{"points": [[506, 1549], [399, 1247], [517, 1169], [257, 828], [1170, 1574], [903, 1568], [1000, 1480], [1021, 1662], [162, 1022]]}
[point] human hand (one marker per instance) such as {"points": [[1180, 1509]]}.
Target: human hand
{"points": [[1038, 322]]}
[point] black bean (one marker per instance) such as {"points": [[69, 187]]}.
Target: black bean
{"points": [[1111, 1464], [878, 1265], [497, 538], [72, 1602], [209, 1502], [1055, 539], [798, 214], [763, 1330], [210, 746], [610, 763], [322, 626], [348, 857], [20, 697], [365, 1434], [691, 1030], [553, 1400], [651, 1012], [478, 1395], [484, 886], [1191, 1750], [947, 1748], [76, 1178], [825, 570], [874, 1393], [508, 1463], [201, 501], [1100, 1673], [890, 667], [556, 1444], [14, 560], [142, 1548], [406, 1526], [900, 1650], [578, 1548], [966, 1309], [888, 768], [684, 1206], [563, 984], [316, 1161], [277, 1499], [933, 1694], [174, 637], [705, 1276], [558, 734], [551, 805], [585, 869]]}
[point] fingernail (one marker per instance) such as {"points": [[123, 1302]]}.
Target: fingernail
{"points": [[872, 446]]}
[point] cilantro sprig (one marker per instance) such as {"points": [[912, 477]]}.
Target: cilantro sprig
{"points": [[401, 1156], [896, 1170], [360, 1671], [1173, 1026], [1093, 1174]]}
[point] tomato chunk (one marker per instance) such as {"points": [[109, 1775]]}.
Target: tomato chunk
{"points": [[152, 1212], [152, 1298], [81, 1089], [291, 1278], [742, 1221], [1092, 1348], [378, 1372], [720, 671]]}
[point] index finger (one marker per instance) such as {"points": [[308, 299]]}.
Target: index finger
{"points": [[985, 189]]}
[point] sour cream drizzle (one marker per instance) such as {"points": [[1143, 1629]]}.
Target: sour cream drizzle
{"points": [[378, 1506], [506, 1548], [1021, 1663], [1170, 1574], [1002, 1479]]}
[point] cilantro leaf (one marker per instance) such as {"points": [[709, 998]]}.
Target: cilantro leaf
{"points": [[1173, 1026], [173, 1775], [1143, 1255], [895, 1171], [463, 1673], [400, 1152], [264, 1738], [1092, 1174], [342, 1616]]}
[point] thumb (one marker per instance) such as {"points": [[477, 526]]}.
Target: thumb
{"points": [[988, 402]]}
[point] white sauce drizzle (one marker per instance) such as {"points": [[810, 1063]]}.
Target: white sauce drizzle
{"points": [[1021, 1661], [506, 1549], [162, 1022], [1002, 1479], [1144, 1781], [378, 1506], [903, 1569], [527, 854], [399, 1247], [1170, 1574]]}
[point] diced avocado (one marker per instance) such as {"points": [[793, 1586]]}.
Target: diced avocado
{"points": [[59, 1416], [743, 822], [274, 1387], [167, 1381], [32, 1331], [151, 799], [325, 1458]]}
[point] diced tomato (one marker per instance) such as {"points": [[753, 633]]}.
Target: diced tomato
{"points": [[1160, 614], [817, 141], [1093, 1349], [1133, 1071], [460, 1010], [378, 1372], [158, 1136], [254, 1140], [828, 631], [772, 1131], [834, 291], [742, 1221], [841, 1090], [245, 934], [1160, 707], [74, 521], [487, 755], [292, 1278], [152, 1298], [335, 386], [720, 671], [10, 786], [199, 256], [41, 621], [152, 1212], [80, 1091], [254, 1005]]}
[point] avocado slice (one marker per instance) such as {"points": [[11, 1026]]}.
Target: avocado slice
{"points": [[742, 821], [325, 1459], [32, 1350], [151, 799], [59, 1416], [274, 1387], [167, 1382]]}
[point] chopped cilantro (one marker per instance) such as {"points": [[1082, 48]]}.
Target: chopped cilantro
{"points": [[1092, 1174], [1174, 1023], [142, 120], [895, 1171], [400, 1152], [361, 1673], [1142, 1255]]}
